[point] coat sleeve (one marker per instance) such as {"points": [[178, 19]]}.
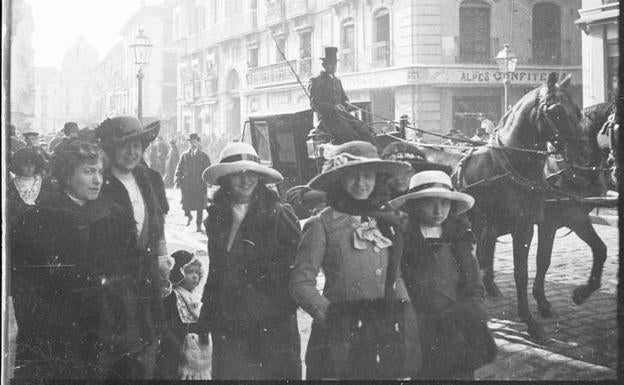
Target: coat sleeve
{"points": [[308, 261], [317, 100]]}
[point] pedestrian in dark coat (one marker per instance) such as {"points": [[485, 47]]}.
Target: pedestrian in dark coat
{"points": [[29, 187], [172, 162], [442, 277], [74, 277], [356, 242], [329, 101], [252, 239], [140, 191], [189, 177]]}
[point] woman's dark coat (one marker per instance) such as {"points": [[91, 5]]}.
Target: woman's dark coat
{"points": [[439, 289], [75, 283], [170, 168], [189, 176], [246, 303], [16, 206]]}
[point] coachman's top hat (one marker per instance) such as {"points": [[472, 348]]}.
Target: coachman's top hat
{"points": [[330, 54]]}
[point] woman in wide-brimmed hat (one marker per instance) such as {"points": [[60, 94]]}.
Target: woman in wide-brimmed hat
{"points": [[252, 239], [410, 153], [357, 244], [140, 191], [442, 277]]}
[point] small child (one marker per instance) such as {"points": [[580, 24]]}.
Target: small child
{"points": [[182, 354]]}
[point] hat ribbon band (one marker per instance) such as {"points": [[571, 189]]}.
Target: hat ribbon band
{"points": [[239, 157], [424, 186]]}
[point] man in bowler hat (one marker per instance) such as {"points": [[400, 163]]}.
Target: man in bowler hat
{"points": [[329, 101], [188, 175]]}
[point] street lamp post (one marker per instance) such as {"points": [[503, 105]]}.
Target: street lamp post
{"points": [[141, 49], [506, 61]]}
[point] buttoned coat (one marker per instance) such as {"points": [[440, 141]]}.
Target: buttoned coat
{"points": [[350, 274], [189, 176]]}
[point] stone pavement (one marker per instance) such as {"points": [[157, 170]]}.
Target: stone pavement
{"points": [[583, 343]]}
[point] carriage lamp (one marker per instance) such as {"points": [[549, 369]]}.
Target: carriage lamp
{"points": [[141, 49], [315, 142], [506, 61]]}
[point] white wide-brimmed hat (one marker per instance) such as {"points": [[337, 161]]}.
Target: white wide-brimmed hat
{"points": [[434, 184], [352, 156], [239, 157]]}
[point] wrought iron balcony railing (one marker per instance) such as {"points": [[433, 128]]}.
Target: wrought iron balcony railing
{"points": [[278, 73], [347, 60], [380, 54]]}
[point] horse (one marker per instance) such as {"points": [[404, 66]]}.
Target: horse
{"points": [[507, 180], [573, 214]]}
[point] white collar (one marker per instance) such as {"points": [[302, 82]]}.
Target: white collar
{"points": [[79, 202]]}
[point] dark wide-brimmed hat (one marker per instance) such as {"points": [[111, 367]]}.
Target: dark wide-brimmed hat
{"points": [[434, 184], [194, 136], [182, 259], [408, 152], [30, 133], [330, 54], [121, 129], [353, 156], [239, 157]]}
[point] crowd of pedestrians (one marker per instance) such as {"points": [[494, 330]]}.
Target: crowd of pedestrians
{"points": [[97, 294]]}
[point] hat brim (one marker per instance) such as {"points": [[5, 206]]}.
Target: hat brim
{"points": [[463, 201], [328, 179], [147, 136], [267, 175], [419, 166]]}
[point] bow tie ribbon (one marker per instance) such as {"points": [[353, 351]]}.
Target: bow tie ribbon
{"points": [[368, 233]]}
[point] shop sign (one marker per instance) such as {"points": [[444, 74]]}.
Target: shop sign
{"points": [[482, 76]]}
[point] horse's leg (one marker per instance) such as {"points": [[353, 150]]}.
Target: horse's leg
{"points": [[587, 233], [522, 237], [485, 255], [545, 239]]}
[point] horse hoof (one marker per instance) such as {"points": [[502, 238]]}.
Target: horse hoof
{"points": [[547, 311], [581, 293], [536, 333], [492, 289]]}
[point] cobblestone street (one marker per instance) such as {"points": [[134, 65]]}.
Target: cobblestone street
{"points": [[583, 338]]}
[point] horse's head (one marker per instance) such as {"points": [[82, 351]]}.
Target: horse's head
{"points": [[557, 119]]}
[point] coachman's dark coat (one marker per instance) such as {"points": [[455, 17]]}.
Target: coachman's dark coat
{"points": [[326, 93], [189, 175], [76, 279], [439, 289], [246, 303]]}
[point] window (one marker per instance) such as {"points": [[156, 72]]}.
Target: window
{"points": [[613, 57], [281, 46], [474, 32], [305, 45], [347, 46], [546, 34], [381, 38], [252, 57]]}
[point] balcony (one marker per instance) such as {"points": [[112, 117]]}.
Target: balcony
{"points": [[278, 73], [297, 8], [347, 60], [380, 54]]}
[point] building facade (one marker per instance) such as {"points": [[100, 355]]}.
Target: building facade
{"points": [[601, 56], [116, 74], [22, 68], [431, 60], [47, 102]]}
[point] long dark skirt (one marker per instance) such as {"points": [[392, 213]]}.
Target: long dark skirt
{"points": [[271, 353]]}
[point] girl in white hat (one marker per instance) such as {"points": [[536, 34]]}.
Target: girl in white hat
{"points": [[442, 277], [358, 246], [252, 240]]}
